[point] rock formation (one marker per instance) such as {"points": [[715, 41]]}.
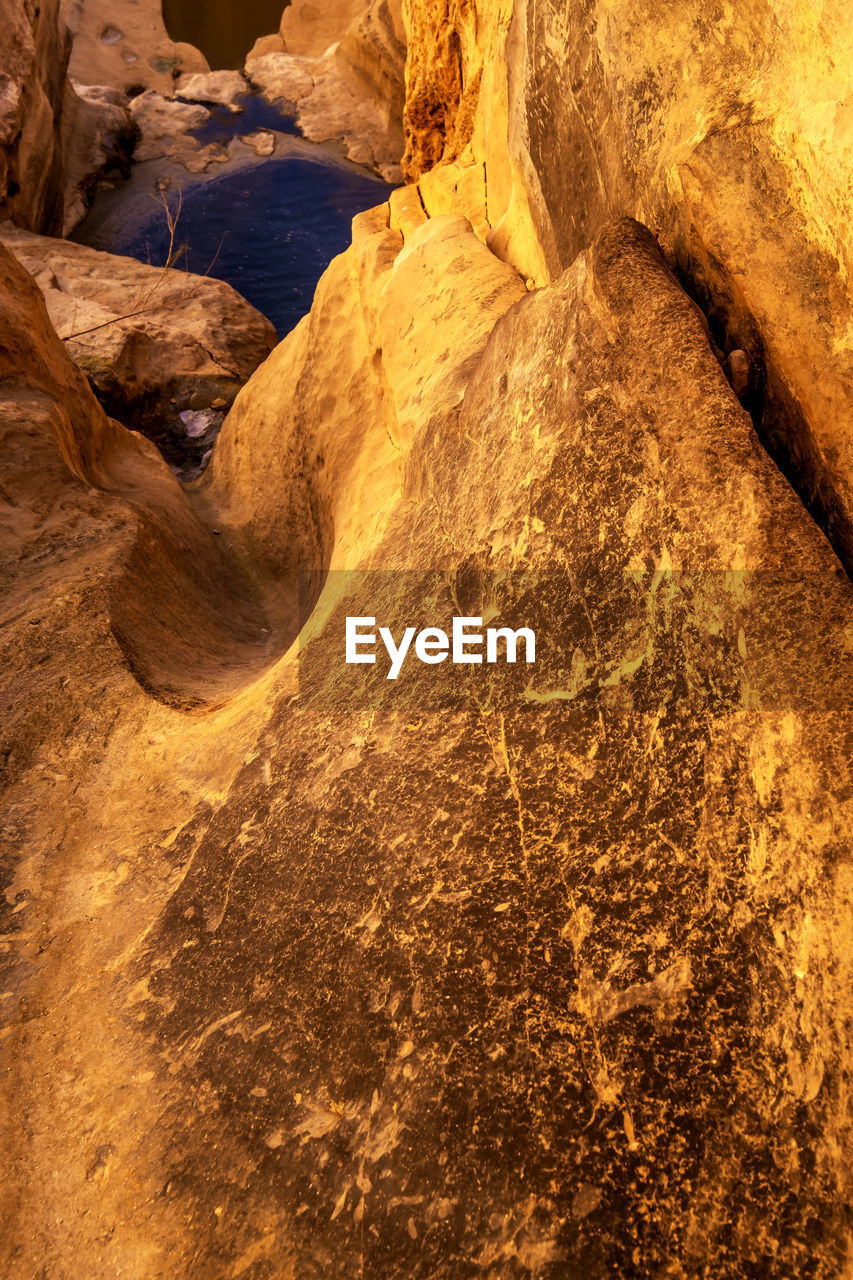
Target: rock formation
{"points": [[731, 138], [308, 28], [98, 140], [166, 128], [126, 46], [165, 351], [520, 971], [57, 137], [223, 87], [343, 70], [32, 90]]}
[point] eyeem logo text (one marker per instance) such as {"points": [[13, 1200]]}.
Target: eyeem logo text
{"points": [[466, 643]]}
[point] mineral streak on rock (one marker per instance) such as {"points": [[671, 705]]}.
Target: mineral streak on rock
{"points": [[534, 973]]}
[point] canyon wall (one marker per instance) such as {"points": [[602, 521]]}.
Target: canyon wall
{"points": [[548, 970], [54, 142], [525, 970], [729, 135], [126, 45], [32, 93]]}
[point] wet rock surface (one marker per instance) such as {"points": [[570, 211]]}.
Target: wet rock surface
{"points": [[166, 127]]}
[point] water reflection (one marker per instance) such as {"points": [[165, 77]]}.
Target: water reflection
{"points": [[255, 113], [269, 230]]}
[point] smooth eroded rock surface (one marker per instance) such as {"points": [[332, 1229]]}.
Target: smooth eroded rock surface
{"points": [[492, 970], [729, 134], [544, 972]]}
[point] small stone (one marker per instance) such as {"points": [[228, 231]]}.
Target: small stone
{"points": [[739, 369]]}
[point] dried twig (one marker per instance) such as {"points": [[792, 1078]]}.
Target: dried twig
{"points": [[143, 302]]}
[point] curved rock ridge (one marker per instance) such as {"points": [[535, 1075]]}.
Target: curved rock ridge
{"points": [[361, 375], [173, 590], [730, 135], [517, 973]]}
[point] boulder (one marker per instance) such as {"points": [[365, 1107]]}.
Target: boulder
{"points": [[154, 344], [165, 128], [225, 88], [310, 27]]}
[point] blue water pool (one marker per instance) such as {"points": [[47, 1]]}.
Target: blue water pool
{"points": [[269, 230]]}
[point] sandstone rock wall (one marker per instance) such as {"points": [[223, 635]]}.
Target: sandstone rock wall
{"points": [[529, 970], [126, 45], [728, 134], [56, 138], [542, 971], [32, 92], [309, 27]]}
